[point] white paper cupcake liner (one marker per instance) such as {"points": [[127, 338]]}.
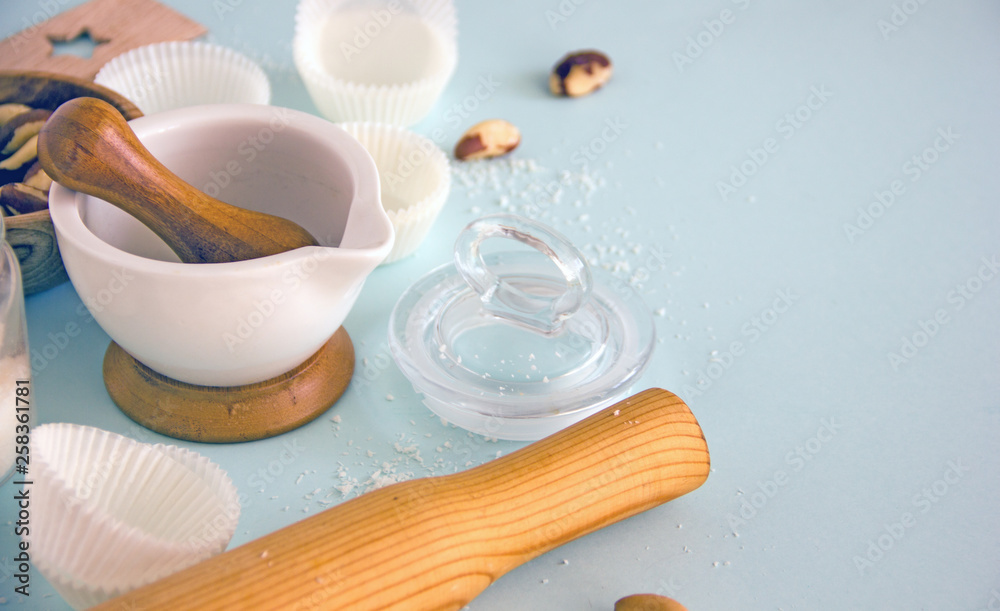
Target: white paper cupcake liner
{"points": [[112, 514], [169, 75], [375, 61], [415, 181]]}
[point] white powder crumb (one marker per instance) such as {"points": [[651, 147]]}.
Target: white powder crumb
{"points": [[564, 561], [264, 554], [715, 564], [545, 379], [370, 453], [661, 311], [389, 397], [345, 489], [617, 412], [299, 478], [285, 508], [545, 581], [336, 418], [305, 509]]}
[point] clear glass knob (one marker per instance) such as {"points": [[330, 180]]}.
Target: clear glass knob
{"points": [[503, 299]]}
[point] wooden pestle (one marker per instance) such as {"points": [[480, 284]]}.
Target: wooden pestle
{"points": [[435, 543], [87, 146]]}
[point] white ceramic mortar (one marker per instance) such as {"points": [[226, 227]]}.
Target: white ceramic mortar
{"points": [[230, 324]]}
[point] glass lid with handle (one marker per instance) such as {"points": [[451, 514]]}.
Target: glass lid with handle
{"points": [[520, 343]]}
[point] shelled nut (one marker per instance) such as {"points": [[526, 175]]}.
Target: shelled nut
{"points": [[37, 178], [26, 154], [580, 73], [21, 128], [490, 138], [10, 110], [17, 198], [648, 602]]}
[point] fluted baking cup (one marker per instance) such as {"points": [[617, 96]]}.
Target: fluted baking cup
{"points": [[169, 75], [111, 514], [415, 180], [378, 61]]}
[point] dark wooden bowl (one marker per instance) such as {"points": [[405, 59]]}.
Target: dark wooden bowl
{"points": [[31, 235]]}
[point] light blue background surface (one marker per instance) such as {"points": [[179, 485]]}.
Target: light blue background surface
{"points": [[819, 443]]}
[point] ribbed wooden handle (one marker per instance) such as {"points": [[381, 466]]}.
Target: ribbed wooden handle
{"points": [[436, 543], [87, 146]]}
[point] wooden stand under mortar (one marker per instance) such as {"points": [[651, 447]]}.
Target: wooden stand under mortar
{"points": [[221, 414]]}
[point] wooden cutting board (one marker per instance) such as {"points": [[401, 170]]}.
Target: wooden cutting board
{"points": [[117, 25]]}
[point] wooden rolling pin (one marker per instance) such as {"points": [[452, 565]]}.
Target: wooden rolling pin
{"points": [[87, 146], [436, 543]]}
